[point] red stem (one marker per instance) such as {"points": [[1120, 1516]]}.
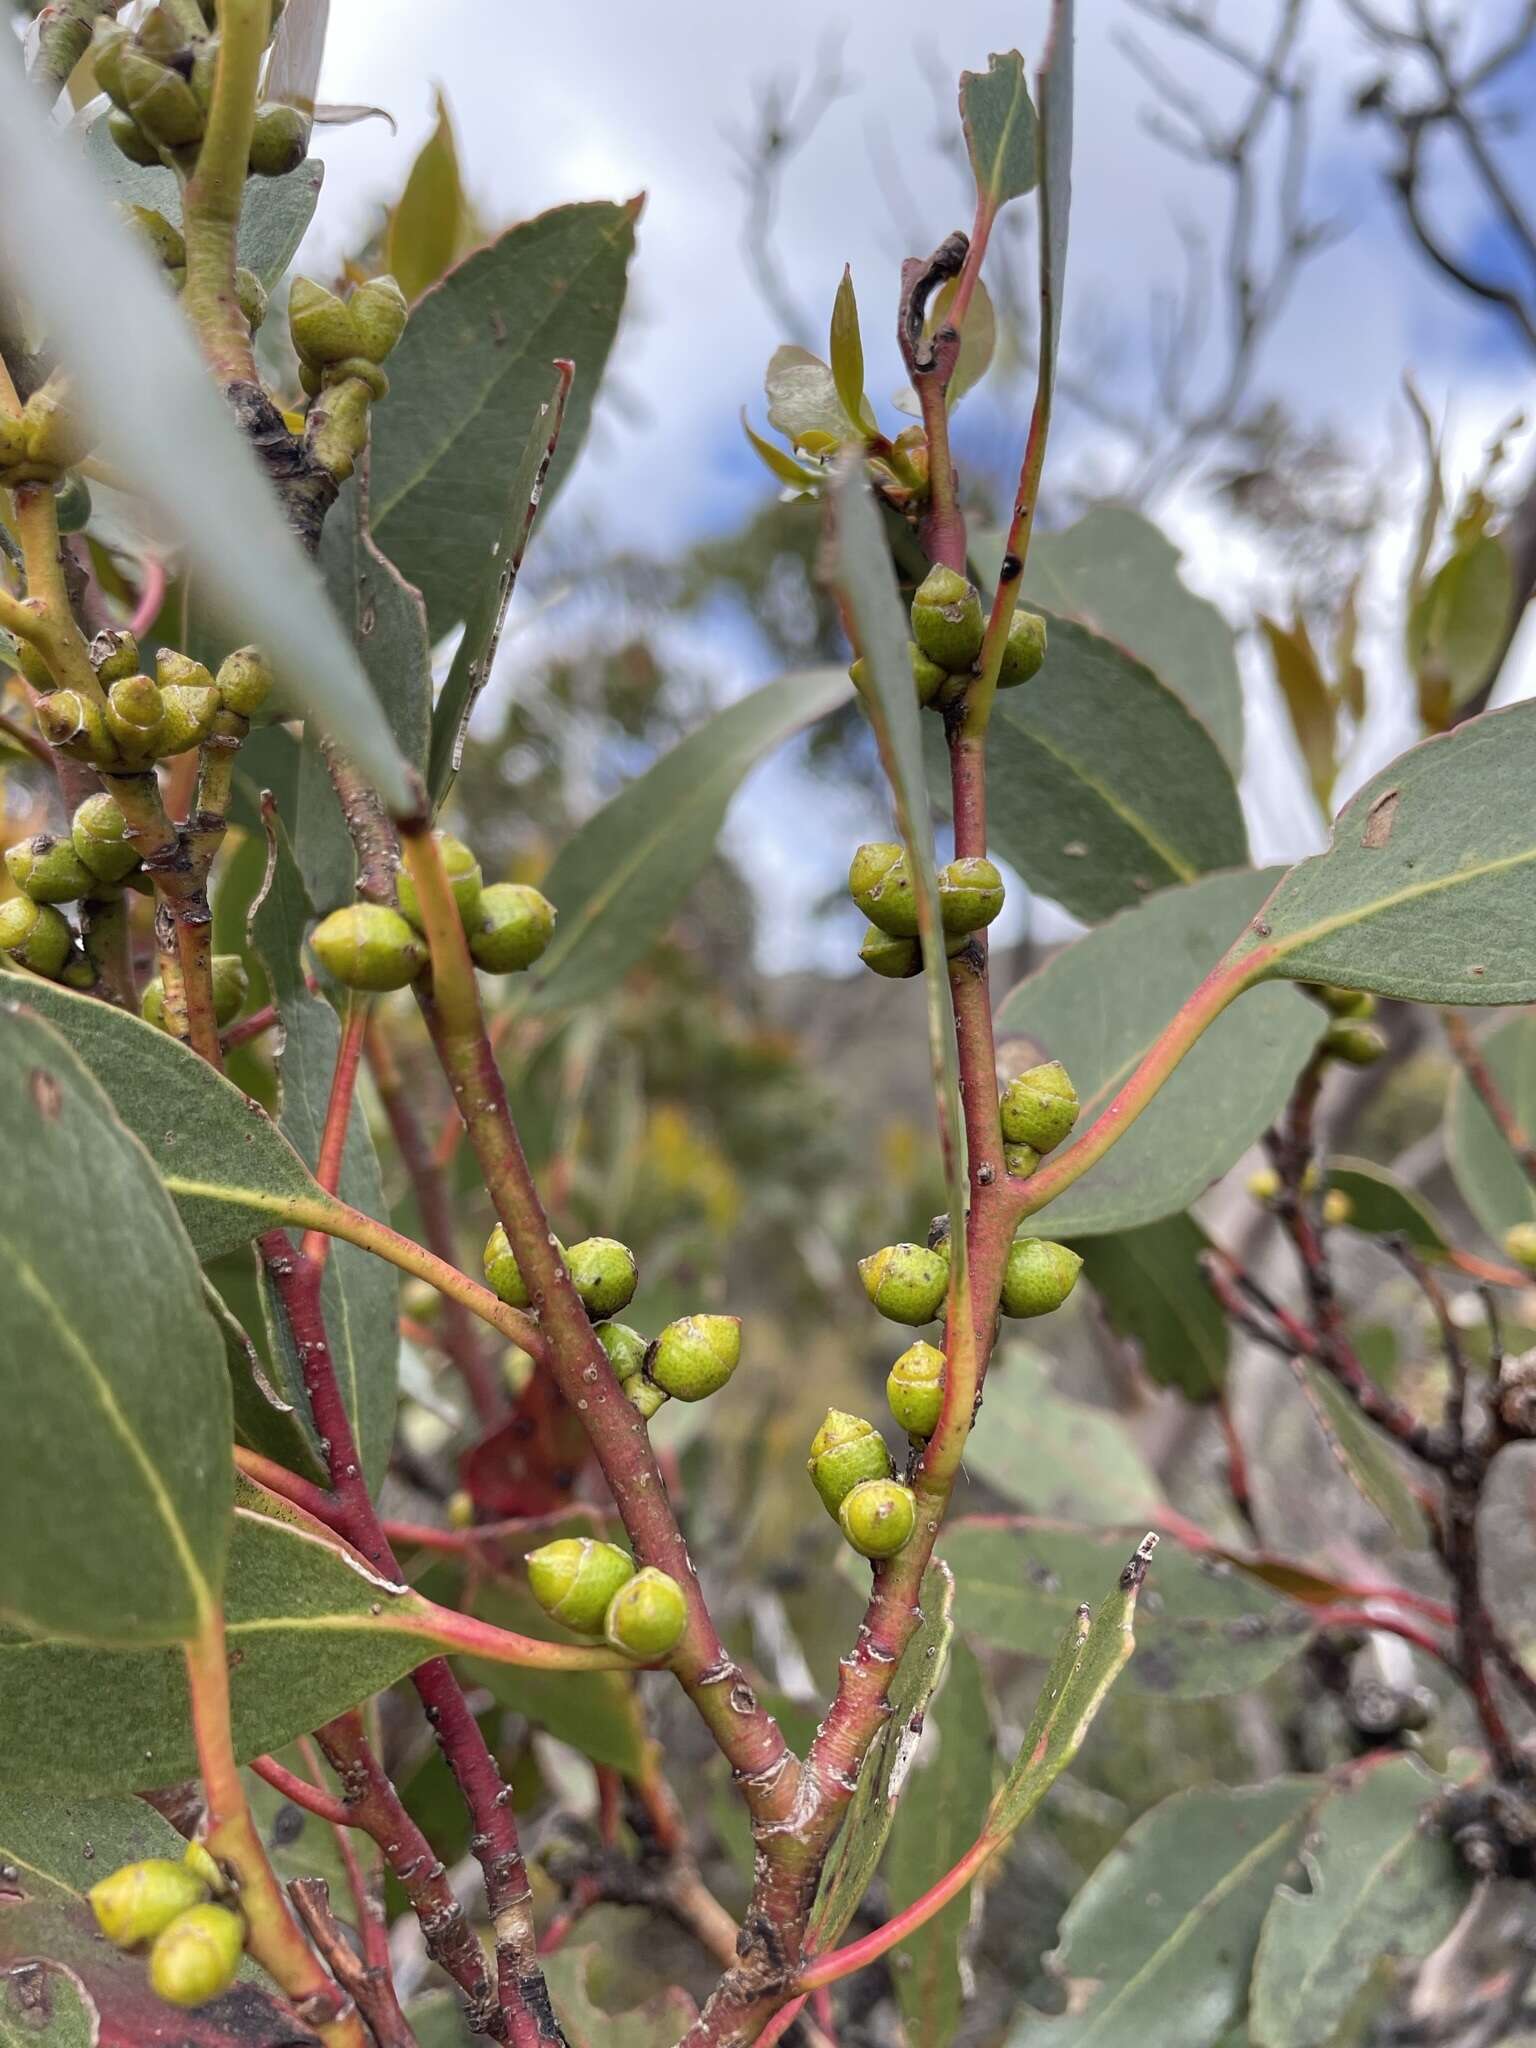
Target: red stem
{"points": [[1392, 1625], [372, 1927], [316, 1244], [299, 1792]]}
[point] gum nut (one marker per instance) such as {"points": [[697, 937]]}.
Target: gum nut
{"points": [[464, 880], [245, 681], [1023, 651], [646, 1617], [378, 317], [135, 1903], [694, 1357], [511, 927], [604, 1275], [36, 935], [845, 1451], [368, 946], [1040, 1107], [1020, 1160], [231, 986], [1038, 1276], [906, 1282], [645, 1397], [970, 895], [574, 1579], [878, 1517], [626, 1349], [946, 620], [879, 884], [197, 1956], [48, 870], [914, 1389], [894, 959]]}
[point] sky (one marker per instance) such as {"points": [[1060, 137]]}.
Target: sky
{"points": [[605, 99]]}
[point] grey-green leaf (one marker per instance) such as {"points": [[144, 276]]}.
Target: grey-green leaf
{"points": [[1371, 1462], [999, 121], [1227, 1090], [1054, 1456], [1154, 1291], [466, 381], [115, 1472], [1490, 1177], [1382, 1207], [1057, 88], [384, 617]]}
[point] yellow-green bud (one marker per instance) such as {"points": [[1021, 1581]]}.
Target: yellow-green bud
{"points": [[56, 436], [196, 1957], [626, 1349], [646, 1617], [1343, 1002], [165, 240], [695, 1356], [946, 620], [970, 894], [645, 1397], [48, 869], [244, 681], [906, 1282], [1023, 650], [1356, 1043], [136, 719], [279, 140], [1040, 1107], [1337, 1208], [75, 726], [927, 677], [459, 1509], [1520, 1244], [1020, 1160], [139, 1901], [503, 1275], [464, 879], [114, 654], [895, 959], [511, 927], [99, 834], [879, 884], [231, 986], [378, 312], [845, 1451], [159, 99], [878, 1517], [72, 503], [1038, 1276], [604, 1274], [319, 324], [369, 946], [108, 43], [915, 1388], [152, 1003], [202, 1866], [251, 297], [1264, 1184], [171, 667], [187, 715], [574, 1579], [130, 139]]}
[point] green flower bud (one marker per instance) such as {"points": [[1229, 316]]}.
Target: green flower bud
{"points": [[180, 669], [646, 1617], [77, 971], [502, 1273], [915, 1389], [251, 296], [1343, 1002], [1040, 1107], [906, 1282], [35, 935], [1358, 1044], [845, 1451], [231, 986], [99, 834], [279, 140], [927, 677], [48, 869], [165, 241], [1520, 1244], [378, 317], [464, 879], [1038, 1276], [139, 1901], [108, 44], [72, 505], [196, 1957], [645, 1397], [1023, 650], [202, 1866], [368, 946], [695, 1356], [152, 1003], [970, 895], [319, 324], [626, 1349], [879, 884], [244, 681], [1263, 1184], [1020, 1160], [187, 715], [604, 1274], [895, 959], [159, 99], [136, 719], [75, 725], [131, 140], [114, 654], [511, 927], [946, 620], [878, 1517], [574, 1579], [56, 436], [1337, 1208]]}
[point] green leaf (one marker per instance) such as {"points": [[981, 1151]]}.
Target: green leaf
{"points": [[1313, 714], [311, 1632], [846, 350], [1152, 1287], [1383, 1207], [1055, 1456], [224, 1161], [384, 618], [115, 1473], [1103, 786], [1371, 1462], [1056, 92], [1459, 625], [137, 370], [1202, 1630], [1115, 572], [1491, 1179], [1228, 1089], [940, 1816], [265, 1420], [856, 1854], [623, 877], [1425, 893], [794, 475], [360, 1293], [466, 382], [573, 1976], [428, 223], [1161, 1937], [999, 121], [804, 400], [290, 766], [476, 652], [1379, 1886]]}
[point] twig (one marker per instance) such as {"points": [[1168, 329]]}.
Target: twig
{"points": [[371, 1988], [338, 1116], [299, 1792], [1480, 1075]]}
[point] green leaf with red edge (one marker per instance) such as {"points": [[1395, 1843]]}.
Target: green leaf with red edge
{"points": [[431, 220], [1491, 1179], [1000, 136]]}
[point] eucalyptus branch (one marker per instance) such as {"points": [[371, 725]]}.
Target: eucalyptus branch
{"points": [[212, 198]]}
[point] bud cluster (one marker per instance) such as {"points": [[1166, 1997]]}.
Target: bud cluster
{"points": [[194, 1944], [159, 78], [594, 1589], [341, 344]]}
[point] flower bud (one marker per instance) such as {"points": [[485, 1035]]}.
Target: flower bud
{"points": [[251, 297], [895, 959], [1520, 1244], [626, 1350], [152, 1003], [173, 668], [459, 1509], [915, 1389], [574, 1579], [1040, 1107], [970, 894], [845, 1451], [319, 325], [927, 677], [879, 884], [1023, 650], [139, 1901], [1038, 1276], [159, 99], [906, 1282], [1343, 1002], [99, 834], [878, 1517], [136, 719], [72, 503], [1020, 1160], [1263, 1184], [378, 317], [604, 1274], [695, 1356], [75, 726], [503, 1275], [202, 1866], [48, 869], [164, 241], [231, 986], [464, 879], [131, 140], [56, 436], [187, 715], [645, 1397], [946, 620], [1357, 1044], [244, 681], [196, 1957], [108, 43], [511, 927], [114, 654], [1337, 1208], [647, 1616], [368, 946], [279, 140]]}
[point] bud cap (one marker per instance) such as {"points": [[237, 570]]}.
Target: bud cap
{"points": [[368, 946], [647, 1616], [1038, 1276], [878, 1517], [574, 1579], [906, 1282], [1040, 1107]]}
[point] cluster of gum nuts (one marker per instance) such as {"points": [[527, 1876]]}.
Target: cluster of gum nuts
{"points": [[170, 1909], [849, 1464]]}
